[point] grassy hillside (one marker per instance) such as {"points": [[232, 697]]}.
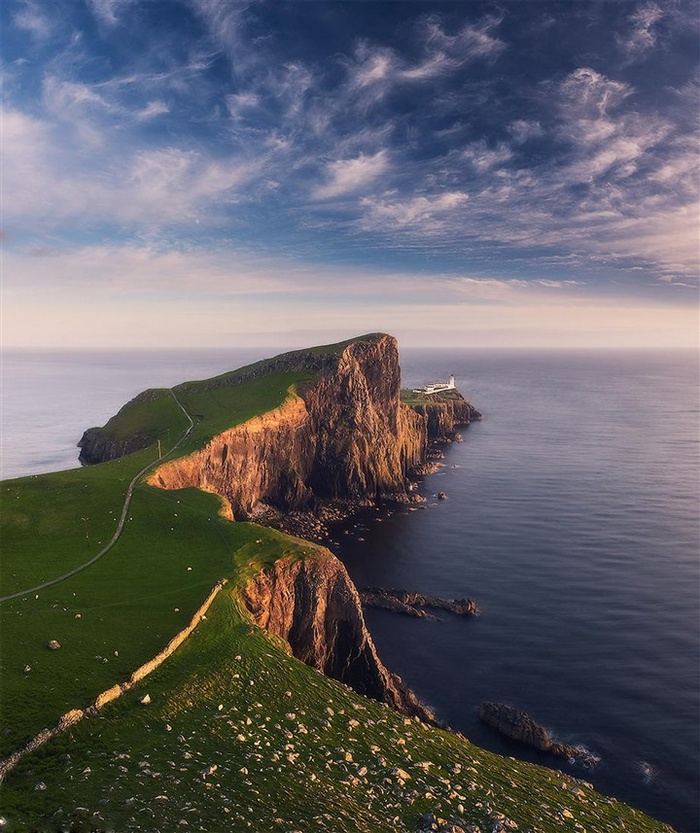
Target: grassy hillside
{"points": [[238, 734]]}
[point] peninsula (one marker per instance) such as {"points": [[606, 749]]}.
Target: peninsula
{"points": [[204, 671]]}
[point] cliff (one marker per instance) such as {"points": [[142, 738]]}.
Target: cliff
{"points": [[132, 429], [444, 413], [314, 607], [345, 436]]}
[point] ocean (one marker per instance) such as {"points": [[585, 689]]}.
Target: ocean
{"points": [[571, 518]]}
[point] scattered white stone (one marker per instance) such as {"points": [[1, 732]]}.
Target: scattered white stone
{"points": [[145, 699]]}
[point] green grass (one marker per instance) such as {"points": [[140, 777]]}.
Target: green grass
{"points": [[292, 750], [174, 548], [52, 523], [216, 408], [152, 415]]}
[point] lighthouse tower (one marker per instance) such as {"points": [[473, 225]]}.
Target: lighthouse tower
{"points": [[452, 381]]}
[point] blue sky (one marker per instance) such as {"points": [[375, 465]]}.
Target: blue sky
{"points": [[211, 172]]}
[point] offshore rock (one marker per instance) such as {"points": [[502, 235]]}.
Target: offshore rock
{"points": [[312, 605], [518, 725], [402, 601]]}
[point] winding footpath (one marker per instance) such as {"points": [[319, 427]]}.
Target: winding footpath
{"points": [[122, 520]]}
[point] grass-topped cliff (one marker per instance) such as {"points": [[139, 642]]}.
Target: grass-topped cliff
{"points": [[238, 734]]}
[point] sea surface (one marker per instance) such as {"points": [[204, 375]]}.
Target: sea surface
{"points": [[571, 518]]}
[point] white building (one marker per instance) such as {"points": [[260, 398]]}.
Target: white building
{"points": [[437, 387]]}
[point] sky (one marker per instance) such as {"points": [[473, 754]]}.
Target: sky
{"points": [[206, 173]]}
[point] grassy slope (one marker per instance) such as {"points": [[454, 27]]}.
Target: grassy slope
{"points": [[232, 698], [122, 610]]}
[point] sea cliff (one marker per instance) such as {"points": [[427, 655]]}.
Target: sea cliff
{"points": [[313, 606], [344, 437]]}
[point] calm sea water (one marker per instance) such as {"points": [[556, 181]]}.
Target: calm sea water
{"points": [[571, 517]]}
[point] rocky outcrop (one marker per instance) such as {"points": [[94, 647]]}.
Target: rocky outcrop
{"points": [[412, 604], [344, 437], [444, 412], [98, 445], [518, 725], [312, 605]]}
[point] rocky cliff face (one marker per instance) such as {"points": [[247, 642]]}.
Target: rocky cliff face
{"points": [[442, 415], [314, 607], [345, 437]]}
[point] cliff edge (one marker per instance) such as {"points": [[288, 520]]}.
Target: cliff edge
{"points": [[313, 606], [345, 436]]}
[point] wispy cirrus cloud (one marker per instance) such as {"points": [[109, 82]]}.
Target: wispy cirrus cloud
{"points": [[642, 34], [345, 176], [422, 214], [109, 11], [31, 17]]}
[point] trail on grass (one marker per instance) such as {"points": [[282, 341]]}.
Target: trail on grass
{"points": [[122, 520]]}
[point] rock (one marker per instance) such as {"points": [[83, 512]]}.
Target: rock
{"points": [[518, 725], [145, 699], [403, 601], [54, 644], [315, 608], [441, 496]]}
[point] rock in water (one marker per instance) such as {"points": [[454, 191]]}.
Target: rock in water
{"points": [[516, 724]]}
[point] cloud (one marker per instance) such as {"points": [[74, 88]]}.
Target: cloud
{"points": [[31, 18], [523, 130], [419, 213], [484, 158], [108, 11], [505, 288], [642, 35], [591, 93], [375, 69], [150, 188], [151, 110], [345, 176], [470, 43]]}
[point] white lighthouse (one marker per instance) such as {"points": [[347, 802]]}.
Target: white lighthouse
{"points": [[437, 387]]}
